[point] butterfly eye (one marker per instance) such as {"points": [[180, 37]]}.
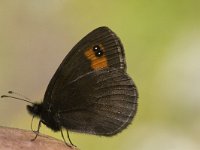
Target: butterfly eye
{"points": [[98, 51]]}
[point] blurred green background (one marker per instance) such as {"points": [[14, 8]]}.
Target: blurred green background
{"points": [[162, 45]]}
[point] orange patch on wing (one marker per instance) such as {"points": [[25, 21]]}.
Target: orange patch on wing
{"points": [[96, 62]]}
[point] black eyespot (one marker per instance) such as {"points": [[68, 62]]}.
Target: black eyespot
{"points": [[98, 51], [96, 48]]}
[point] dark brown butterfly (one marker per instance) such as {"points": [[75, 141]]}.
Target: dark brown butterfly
{"points": [[90, 91]]}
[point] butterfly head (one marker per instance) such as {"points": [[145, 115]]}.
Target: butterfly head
{"points": [[34, 109]]}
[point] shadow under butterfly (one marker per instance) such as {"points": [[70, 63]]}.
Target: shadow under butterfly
{"points": [[90, 92]]}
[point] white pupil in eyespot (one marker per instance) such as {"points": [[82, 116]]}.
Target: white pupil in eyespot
{"points": [[96, 48]]}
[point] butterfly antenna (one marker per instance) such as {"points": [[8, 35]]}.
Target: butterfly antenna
{"points": [[18, 94], [17, 98]]}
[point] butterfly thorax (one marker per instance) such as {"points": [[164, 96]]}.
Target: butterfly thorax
{"points": [[48, 117]]}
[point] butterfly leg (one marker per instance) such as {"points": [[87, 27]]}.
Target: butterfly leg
{"points": [[68, 138], [37, 131], [32, 123]]}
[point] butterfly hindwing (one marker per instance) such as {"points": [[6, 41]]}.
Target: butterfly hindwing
{"points": [[101, 102]]}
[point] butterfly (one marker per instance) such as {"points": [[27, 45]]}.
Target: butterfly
{"points": [[91, 91]]}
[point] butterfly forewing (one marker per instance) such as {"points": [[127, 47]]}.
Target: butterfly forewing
{"points": [[82, 60]]}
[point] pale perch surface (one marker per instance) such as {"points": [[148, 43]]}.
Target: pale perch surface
{"points": [[17, 139]]}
